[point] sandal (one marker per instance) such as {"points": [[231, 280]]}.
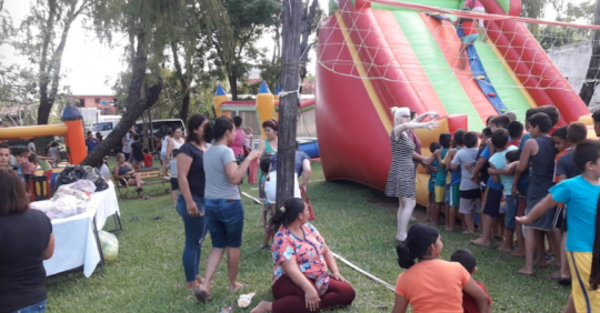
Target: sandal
{"points": [[202, 295], [266, 248], [565, 281], [227, 309], [242, 286], [244, 301]]}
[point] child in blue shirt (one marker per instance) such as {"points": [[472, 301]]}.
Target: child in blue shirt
{"points": [[455, 179], [581, 196], [470, 193], [432, 170], [441, 175], [493, 191], [499, 162]]}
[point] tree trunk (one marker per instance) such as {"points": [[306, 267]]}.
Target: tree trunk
{"points": [[309, 16], [288, 104], [135, 106], [593, 72], [233, 86], [44, 68], [45, 106], [185, 101]]}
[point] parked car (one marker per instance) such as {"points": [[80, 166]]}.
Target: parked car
{"points": [[160, 127], [105, 124]]}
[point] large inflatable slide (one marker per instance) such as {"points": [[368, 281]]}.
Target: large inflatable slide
{"points": [[376, 54]]}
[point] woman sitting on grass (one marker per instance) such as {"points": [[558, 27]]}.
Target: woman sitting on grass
{"points": [[124, 172], [431, 284], [300, 279]]}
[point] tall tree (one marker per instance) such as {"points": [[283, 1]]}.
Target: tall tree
{"points": [[297, 17], [310, 19], [292, 17], [192, 42], [249, 19], [53, 20], [147, 24], [593, 72]]}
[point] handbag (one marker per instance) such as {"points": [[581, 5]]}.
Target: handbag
{"points": [[311, 213]]}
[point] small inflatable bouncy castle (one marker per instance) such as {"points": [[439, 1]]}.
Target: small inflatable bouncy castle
{"points": [[71, 129]]}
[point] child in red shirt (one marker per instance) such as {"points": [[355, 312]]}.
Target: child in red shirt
{"points": [[470, 35], [147, 158], [467, 260]]}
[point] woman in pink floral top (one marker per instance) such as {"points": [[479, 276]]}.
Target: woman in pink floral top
{"points": [[301, 257]]}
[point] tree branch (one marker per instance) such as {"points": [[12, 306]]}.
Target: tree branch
{"points": [[308, 19]]}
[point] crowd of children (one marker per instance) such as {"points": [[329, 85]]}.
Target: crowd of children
{"points": [[26, 163], [525, 186]]}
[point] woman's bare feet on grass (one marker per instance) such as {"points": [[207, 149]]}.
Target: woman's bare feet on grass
{"points": [[554, 275], [480, 242], [526, 271], [468, 232], [542, 264], [199, 279], [193, 285], [554, 262], [503, 248], [450, 229], [263, 307], [518, 253], [236, 287]]}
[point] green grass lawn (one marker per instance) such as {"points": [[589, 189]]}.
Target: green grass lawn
{"points": [[357, 222]]}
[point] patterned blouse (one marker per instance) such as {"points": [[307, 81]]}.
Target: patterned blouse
{"points": [[307, 252]]}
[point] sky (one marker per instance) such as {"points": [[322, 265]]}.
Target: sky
{"points": [[91, 67]]}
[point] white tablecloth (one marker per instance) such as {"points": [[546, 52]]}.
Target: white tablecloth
{"points": [[75, 243]]}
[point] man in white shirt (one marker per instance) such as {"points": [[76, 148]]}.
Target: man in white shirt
{"points": [[127, 141], [31, 146]]}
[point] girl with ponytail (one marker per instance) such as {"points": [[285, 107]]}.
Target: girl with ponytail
{"points": [[430, 284], [301, 282]]}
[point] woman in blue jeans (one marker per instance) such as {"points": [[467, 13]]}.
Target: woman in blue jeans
{"points": [[190, 204], [224, 210]]}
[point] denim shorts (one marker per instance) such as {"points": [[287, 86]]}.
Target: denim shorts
{"points": [[491, 202], [225, 220], [544, 222], [512, 204], [469, 39]]}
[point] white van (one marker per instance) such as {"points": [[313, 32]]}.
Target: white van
{"points": [[161, 126], [105, 124]]}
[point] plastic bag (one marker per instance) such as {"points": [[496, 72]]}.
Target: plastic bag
{"points": [[44, 205], [66, 206], [110, 246], [72, 174], [71, 113], [83, 185], [68, 190]]}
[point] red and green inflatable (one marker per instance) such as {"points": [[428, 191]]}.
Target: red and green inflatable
{"points": [[374, 55]]}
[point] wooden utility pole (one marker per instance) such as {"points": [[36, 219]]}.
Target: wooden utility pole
{"points": [[592, 76], [292, 18]]}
